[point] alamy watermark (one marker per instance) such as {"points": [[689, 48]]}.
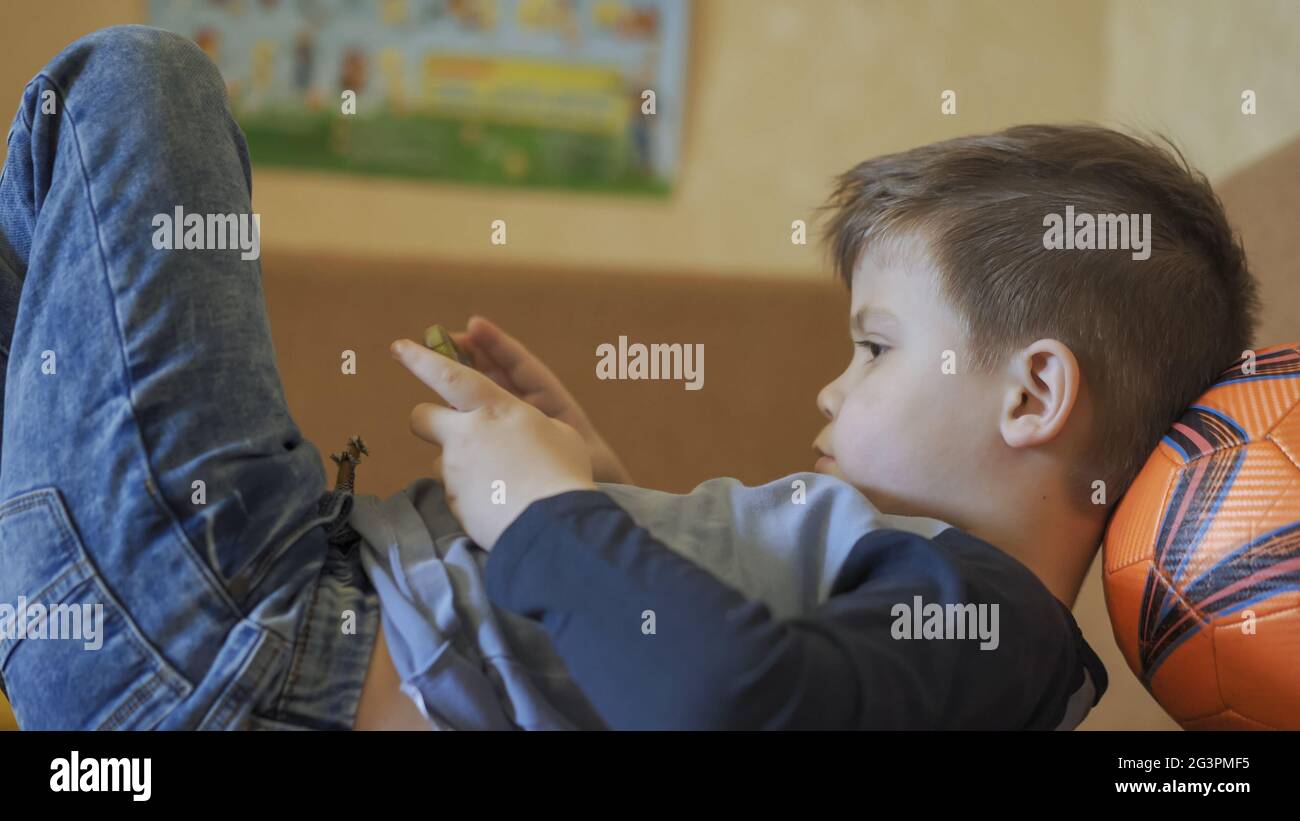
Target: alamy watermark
{"points": [[919, 620], [654, 361], [180, 231], [77, 774], [1098, 232], [57, 622]]}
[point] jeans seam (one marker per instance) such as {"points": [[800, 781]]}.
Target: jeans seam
{"points": [[190, 551], [22, 109], [302, 635], [300, 644], [127, 708], [260, 663]]}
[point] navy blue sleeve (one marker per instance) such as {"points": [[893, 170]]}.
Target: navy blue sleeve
{"points": [[655, 641]]}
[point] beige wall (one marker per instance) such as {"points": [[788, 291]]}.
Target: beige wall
{"points": [[781, 97], [1181, 66]]}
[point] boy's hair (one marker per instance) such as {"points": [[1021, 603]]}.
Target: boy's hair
{"points": [[1150, 335]]}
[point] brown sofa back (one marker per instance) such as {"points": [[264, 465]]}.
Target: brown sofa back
{"points": [[769, 346], [1263, 204]]}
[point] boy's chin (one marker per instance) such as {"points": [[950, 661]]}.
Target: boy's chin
{"points": [[828, 466]]}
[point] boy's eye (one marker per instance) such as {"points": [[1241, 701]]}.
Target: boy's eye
{"points": [[874, 348]]}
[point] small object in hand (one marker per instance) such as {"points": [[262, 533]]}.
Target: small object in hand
{"points": [[438, 338]]}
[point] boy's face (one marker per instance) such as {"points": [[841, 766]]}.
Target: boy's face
{"points": [[913, 435]]}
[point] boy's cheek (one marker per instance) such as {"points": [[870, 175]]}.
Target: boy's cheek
{"points": [[883, 453], [860, 455]]}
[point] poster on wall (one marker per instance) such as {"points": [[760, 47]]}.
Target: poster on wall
{"points": [[578, 94]]}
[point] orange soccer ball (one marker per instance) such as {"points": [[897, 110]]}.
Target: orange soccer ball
{"points": [[1202, 555]]}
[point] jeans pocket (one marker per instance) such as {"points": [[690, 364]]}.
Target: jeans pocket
{"points": [[70, 654]]}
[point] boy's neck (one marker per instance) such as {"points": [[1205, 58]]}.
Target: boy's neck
{"points": [[1054, 538]]}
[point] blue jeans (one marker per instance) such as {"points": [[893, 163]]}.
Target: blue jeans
{"points": [[132, 374]]}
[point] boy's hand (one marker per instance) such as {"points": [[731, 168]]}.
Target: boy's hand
{"points": [[487, 436], [507, 362]]}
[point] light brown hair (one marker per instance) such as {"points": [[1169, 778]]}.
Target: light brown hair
{"points": [[1150, 335]]}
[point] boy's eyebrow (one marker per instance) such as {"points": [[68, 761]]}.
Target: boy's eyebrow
{"points": [[867, 312]]}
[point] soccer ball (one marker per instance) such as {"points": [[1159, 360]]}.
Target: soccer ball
{"points": [[1202, 555]]}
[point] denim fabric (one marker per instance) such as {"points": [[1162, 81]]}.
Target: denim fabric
{"points": [[244, 611], [468, 664]]}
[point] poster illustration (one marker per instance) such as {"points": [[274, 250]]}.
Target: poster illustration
{"points": [[578, 94]]}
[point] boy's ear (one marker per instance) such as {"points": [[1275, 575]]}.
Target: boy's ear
{"points": [[1042, 386]]}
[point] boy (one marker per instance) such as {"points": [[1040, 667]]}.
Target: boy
{"points": [[227, 614], [1000, 384]]}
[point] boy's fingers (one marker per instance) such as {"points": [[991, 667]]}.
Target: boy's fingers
{"points": [[482, 362], [467, 346], [462, 387], [433, 423], [524, 369]]}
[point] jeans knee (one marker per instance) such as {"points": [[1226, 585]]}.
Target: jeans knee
{"points": [[138, 44], [136, 61]]}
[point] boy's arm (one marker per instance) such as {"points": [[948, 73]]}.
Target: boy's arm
{"points": [[579, 564]]}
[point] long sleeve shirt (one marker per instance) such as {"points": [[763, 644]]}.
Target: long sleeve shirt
{"points": [[793, 604], [717, 659]]}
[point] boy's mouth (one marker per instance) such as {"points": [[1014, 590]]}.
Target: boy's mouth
{"points": [[824, 461]]}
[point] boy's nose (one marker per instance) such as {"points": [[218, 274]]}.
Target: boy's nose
{"points": [[828, 401]]}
